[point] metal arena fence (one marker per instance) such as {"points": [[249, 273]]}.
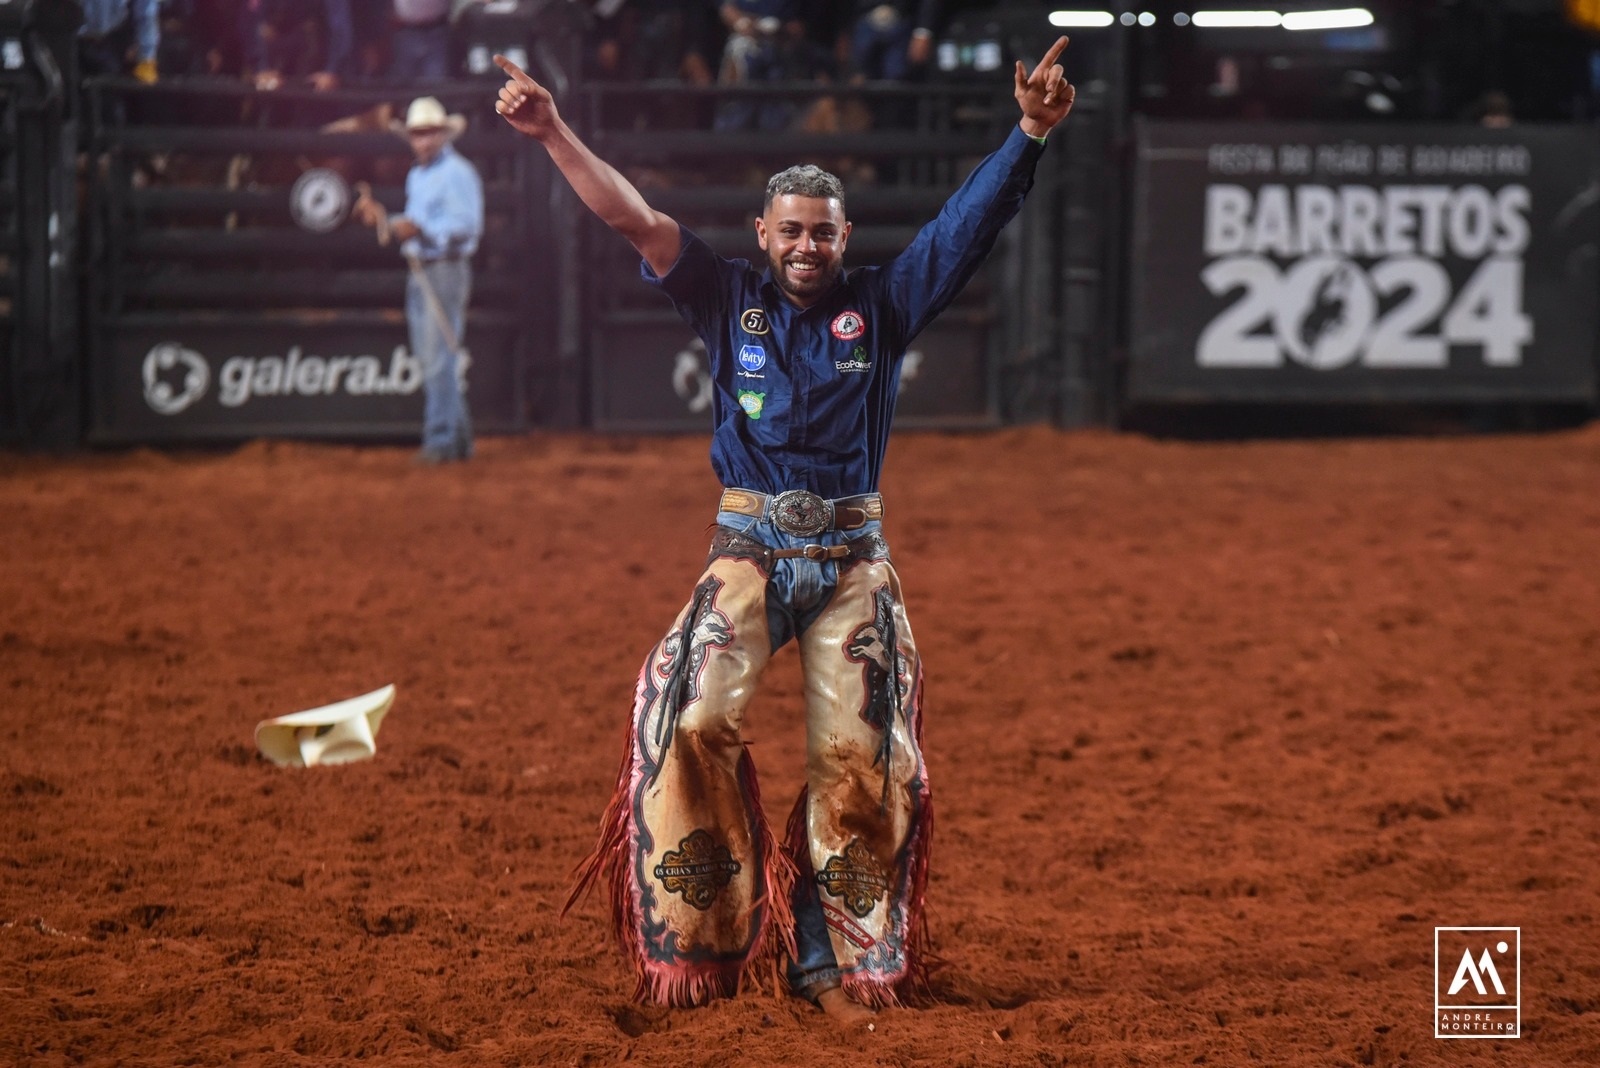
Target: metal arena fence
{"points": [[226, 294], [177, 263]]}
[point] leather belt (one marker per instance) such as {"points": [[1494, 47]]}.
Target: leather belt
{"points": [[731, 543], [803, 513]]}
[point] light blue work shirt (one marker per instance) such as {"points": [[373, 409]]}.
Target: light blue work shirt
{"points": [[445, 199]]}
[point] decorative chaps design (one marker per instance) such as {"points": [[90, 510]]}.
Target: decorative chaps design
{"points": [[702, 893]]}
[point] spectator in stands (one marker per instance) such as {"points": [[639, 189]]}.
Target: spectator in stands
{"points": [[892, 41], [296, 38], [419, 40], [200, 37], [653, 40], [120, 37], [438, 234], [766, 43], [648, 41]]}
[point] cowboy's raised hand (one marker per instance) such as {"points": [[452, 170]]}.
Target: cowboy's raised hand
{"points": [[1045, 95], [525, 104]]}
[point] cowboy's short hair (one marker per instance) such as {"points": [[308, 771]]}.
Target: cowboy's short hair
{"points": [[804, 180]]}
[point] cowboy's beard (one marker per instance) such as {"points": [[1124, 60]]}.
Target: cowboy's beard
{"points": [[807, 284]]}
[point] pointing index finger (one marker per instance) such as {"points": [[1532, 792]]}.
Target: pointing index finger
{"points": [[515, 72], [1050, 57]]}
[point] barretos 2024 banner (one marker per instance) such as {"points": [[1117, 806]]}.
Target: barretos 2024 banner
{"points": [[1361, 263]]}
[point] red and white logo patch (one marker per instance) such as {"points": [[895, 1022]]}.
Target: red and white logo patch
{"points": [[848, 325]]}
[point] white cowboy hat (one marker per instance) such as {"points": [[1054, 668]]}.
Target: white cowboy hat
{"points": [[426, 113], [340, 733]]}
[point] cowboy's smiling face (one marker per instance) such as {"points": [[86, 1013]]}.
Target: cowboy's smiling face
{"points": [[804, 239], [427, 142]]}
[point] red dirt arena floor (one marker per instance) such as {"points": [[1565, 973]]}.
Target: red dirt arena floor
{"points": [[1218, 735]]}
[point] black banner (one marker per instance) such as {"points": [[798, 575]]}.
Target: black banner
{"points": [[1364, 263], [162, 378], [650, 374]]}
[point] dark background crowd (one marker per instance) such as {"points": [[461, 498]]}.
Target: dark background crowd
{"points": [[1442, 60]]}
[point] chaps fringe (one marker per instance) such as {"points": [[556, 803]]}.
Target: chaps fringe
{"points": [[685, 985], [768, 954]]}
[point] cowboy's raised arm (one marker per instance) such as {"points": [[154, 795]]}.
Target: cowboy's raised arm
{"points": [[948, 251], [529, 108]]}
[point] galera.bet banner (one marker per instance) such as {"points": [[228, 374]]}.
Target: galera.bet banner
{"points": [[207, 377], [1275, 262]]}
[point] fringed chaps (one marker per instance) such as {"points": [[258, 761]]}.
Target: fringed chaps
{"points": [[862, 830], [700, 888]]}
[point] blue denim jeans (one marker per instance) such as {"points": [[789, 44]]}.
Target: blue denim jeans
{"points": [[446, 423], [799, 589]]}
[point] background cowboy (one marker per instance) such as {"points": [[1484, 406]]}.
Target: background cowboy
{"points": [[438, 234]]}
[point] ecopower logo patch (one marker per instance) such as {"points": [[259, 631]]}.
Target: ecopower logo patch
{"points": [[1477, 982]]}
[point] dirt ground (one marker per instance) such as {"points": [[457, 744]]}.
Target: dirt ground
{"points": [[1218, 735]]}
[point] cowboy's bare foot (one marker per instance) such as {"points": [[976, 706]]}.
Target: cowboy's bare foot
{"points": [[837, 1004]]}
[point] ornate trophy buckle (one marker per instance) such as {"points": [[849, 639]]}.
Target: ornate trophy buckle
{"points": [[801, 513]]}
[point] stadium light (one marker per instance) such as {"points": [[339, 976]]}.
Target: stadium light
{"points": [[1233, 19], [1339, 19], [1080, 18]]}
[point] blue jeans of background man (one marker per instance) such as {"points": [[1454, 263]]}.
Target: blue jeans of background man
{"points": [[446, 424]]}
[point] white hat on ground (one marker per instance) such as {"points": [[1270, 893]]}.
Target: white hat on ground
{"points": [[340, 733]]}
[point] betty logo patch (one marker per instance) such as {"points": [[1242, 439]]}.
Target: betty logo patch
{"points": [[855, 877], [754, 321], [698, 869], [752, 402], [848, 325], [752, 357]]}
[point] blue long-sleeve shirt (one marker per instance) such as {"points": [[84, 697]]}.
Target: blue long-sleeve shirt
{"points": [[100, 17], [444, 198], [803, 397]]}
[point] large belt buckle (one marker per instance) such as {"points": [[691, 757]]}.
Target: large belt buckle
{"points": [[801, 513]]}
